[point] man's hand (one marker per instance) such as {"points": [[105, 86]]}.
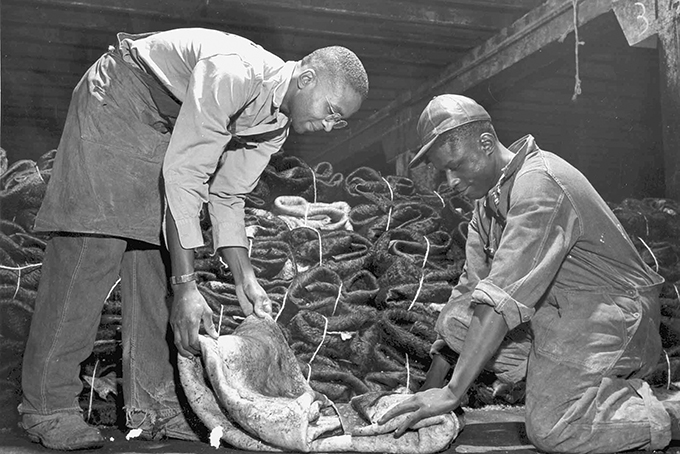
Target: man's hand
{"points": [[253, 298], [189, 309], [424, 404]]}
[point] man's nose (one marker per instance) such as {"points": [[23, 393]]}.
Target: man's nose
{"points": [[327, 125]]}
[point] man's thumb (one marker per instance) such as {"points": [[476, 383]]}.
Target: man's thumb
{"points": [[209, 326]]}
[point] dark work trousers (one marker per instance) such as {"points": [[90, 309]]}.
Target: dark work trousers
{"points": [[78, 273], [105, 203]]}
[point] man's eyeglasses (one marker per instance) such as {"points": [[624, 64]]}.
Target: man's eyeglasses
{"points": [[335, 118]]}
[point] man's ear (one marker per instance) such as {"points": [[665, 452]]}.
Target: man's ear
{"points": [[487, 142], [306, 77]]}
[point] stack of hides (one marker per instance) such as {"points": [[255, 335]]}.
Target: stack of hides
{"points": [[358, 267]]}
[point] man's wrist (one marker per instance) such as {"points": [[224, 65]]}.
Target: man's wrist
{"points": [[183, 279]]}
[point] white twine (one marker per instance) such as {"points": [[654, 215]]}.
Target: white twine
{"points": [[420, 286], [656, 263], [390, 188], [422, 276], [111, 291], [37, 169], [323, 338], [94, 373], [441, 199], [427, 252], [677, 293], [18, 270], [219, 322], [335, 306], [342, 425], [389, 212], [646, 223], [283, 304], [320, 246], [408, 375], [313, 182], [250, 246], [16, 290], [668, 362]]}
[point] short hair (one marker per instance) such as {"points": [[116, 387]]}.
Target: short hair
{"points": [[342, 66], [465, 132]]}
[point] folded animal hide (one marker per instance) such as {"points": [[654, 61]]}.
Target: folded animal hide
{"points": [[297, 212], [257, 394]]}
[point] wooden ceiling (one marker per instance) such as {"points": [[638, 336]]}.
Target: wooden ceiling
{"points": [[48, 44]]}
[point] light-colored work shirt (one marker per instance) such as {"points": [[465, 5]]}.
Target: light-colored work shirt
{"points": [[231, 91]]}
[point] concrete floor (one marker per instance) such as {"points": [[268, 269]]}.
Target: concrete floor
{"points": [[496, 430]]}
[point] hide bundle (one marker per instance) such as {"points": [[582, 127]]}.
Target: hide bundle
{"points": [[248, 385]]}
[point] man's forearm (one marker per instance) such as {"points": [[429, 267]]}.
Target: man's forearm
{"points": [[239, 263], [486, 332]]}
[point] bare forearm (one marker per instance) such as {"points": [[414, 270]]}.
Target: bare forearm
{"points": [[239, 263], [437, 373], [486, 332]]}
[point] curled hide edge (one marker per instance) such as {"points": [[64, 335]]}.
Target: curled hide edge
{"points": [[250, 384]]}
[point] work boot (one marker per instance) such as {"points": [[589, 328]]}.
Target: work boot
{"points": [[63, 431], [175, 427]]}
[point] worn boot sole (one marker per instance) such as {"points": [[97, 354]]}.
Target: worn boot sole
{"points": [[92, 444], [88, 445]]}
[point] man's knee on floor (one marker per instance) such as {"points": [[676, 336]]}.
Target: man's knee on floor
{"points": [[543, 433], [551, 435]]}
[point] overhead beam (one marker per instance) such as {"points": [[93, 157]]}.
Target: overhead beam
{"points": [[545, 24], [669, 53], [318, 30], [483, 15]]}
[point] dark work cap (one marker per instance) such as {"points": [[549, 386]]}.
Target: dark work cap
{"points": [[444, 113]]}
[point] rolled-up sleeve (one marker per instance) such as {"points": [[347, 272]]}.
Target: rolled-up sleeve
{"points": [[220, 86], [458, 310], [236, 177], [542, 227]]}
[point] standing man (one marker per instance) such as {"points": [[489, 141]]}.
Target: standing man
{"points": [[158, 126], [549, 272]]}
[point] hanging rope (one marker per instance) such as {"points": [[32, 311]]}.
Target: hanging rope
{"points": [[577, 83]]}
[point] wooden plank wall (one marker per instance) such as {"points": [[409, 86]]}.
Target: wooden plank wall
{"points": [[612, 132]]}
